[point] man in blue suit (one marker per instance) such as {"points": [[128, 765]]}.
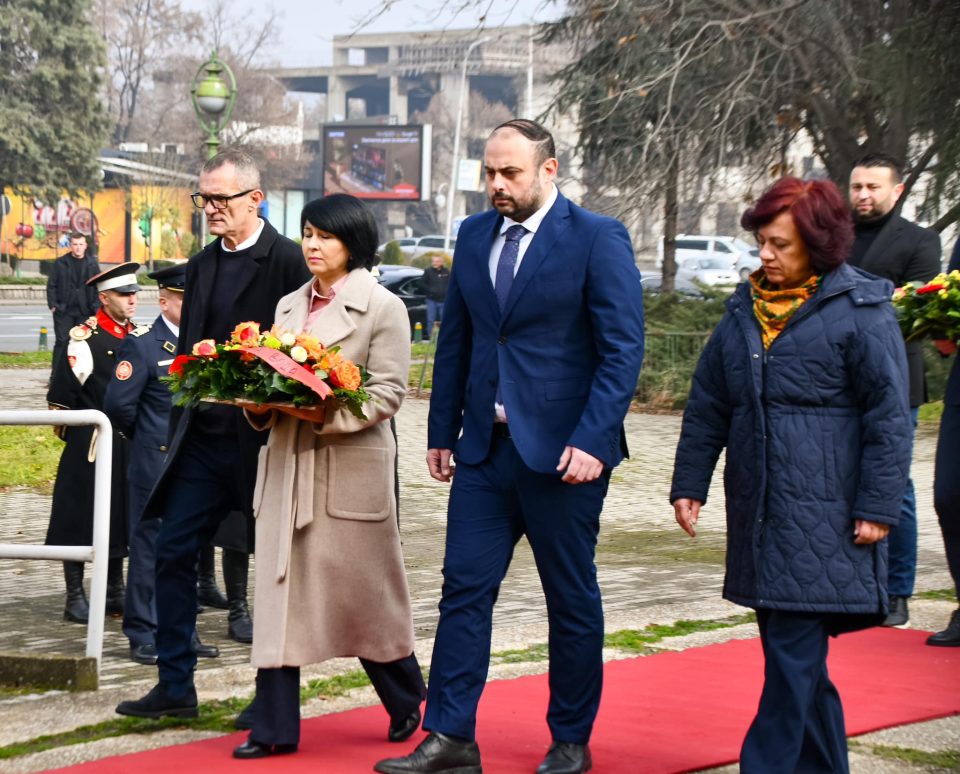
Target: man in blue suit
{"points": [[537, 362], [139, 405]]}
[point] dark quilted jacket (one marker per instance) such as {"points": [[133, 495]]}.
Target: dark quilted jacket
{"points": [[818, 434]]}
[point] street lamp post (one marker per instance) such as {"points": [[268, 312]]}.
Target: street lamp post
{"points": [[456, 141], [213, 99]]}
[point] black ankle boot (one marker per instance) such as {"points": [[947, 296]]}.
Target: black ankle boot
{"points": [[207, 592], [235, 566], [77, 610], [115, 587]]}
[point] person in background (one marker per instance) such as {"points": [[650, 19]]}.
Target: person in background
{"points": [[138, 405], [70, 298], [210, 467], [433, 285], [890, 246], [946, 478], [79, 381], [330, 575], [803, 383]]}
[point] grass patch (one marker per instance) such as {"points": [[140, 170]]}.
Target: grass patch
{"points": [[537, 652], [941, 760], [661, 547], [948, 595], [638, 640], [29, 457], [930, 412], [332, 687], [28, 359]]}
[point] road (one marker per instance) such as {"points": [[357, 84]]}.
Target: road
{"points": [[20, 325]]}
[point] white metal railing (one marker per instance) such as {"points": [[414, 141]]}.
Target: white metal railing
{"points": [[99, 552]]}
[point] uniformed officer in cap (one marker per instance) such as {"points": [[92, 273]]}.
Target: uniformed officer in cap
{"points": [[79, 380], [139, 404]]}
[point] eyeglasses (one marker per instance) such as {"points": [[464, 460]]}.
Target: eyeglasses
{"points": [[219, 202]]}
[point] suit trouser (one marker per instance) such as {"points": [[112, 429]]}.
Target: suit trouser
{"points": [[902, 542], [276, 706], [139, 606], [491, 506], [201, 489], [946, 488], [799, 724]]}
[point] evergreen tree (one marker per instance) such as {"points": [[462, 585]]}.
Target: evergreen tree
{"points": [[52, 124]]}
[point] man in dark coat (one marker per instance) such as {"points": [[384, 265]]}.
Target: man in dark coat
{"points": [[210, 468], [139, 404], [70, 298], [892, 247], [433, 285], [79, 381]]}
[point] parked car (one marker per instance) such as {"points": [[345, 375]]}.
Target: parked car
{"points": [[411, 247], [748, 262], [404, 281], [733, 249], [707, 271], [652, 283]]}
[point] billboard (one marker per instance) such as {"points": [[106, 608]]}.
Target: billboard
{"points": [[389, 163]]}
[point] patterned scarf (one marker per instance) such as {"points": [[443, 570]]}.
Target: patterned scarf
{"points": [[773, 307]]}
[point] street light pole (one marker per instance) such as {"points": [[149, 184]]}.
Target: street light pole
{"points": [[213, 98], [456, 142]]}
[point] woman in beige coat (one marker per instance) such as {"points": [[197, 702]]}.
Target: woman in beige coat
{"points": [[330, 575]]}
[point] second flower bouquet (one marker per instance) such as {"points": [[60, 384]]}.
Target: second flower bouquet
{"points": [[273, 368], [932, 309]]}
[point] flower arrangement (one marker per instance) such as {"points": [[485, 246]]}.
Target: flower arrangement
{"points": [[277, 368], [931, 309]]}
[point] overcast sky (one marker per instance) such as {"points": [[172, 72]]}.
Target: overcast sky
{"points": [[307, 28]]}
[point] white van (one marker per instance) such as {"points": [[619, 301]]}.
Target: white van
{"points": [[742, 257]]}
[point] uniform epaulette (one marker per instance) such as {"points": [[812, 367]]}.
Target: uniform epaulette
{"points": [[140, 330], [83, 331]]}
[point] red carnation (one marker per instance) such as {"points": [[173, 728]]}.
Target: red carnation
{"points": [[176, 367]]}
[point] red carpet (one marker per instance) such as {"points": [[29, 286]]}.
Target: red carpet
{"points": [[671, 712]]}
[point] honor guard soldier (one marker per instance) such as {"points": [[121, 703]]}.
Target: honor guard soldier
{"points": [[79, 381], [139, 404]]}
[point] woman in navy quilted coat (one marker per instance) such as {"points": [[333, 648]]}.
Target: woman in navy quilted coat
{"points": [[804, 384]]}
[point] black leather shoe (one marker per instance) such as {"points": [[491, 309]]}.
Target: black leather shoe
{"points": [[158, 704], [437, 754], [949, 637], [899, 614], [204, 651], [566, 758], [251, 749], [401, 730], [244, 721], [144, 654]]}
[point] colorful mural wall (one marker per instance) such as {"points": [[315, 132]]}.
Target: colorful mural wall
{"points": [[33, 230]]}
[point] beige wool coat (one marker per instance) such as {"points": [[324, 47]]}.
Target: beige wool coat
{"points": [[330, 575]]}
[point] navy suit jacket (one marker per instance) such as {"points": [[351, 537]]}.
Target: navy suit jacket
{"points": [[567, 348]]}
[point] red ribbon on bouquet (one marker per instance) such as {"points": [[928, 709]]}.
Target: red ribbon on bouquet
{"points": [[287, 366]]}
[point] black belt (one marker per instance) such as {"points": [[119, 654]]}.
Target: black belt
{"points": [[501, 430]]}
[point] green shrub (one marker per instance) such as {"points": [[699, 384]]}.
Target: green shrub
{"points": [[425, 260], [392, 253]]}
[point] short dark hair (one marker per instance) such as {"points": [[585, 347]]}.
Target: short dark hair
{"points": [[246, 167], [78, 235], [882, 160], [546, 149], [819, 212], [350, 221]]}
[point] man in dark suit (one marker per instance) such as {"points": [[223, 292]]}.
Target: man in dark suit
{"points": [[70, 298], [946, 479], [892, 247], [537, 362], [138, 404], [210, 468]]}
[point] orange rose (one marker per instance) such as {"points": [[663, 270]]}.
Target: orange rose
{"points": [[329, 360], [205, 348], [346, 375], [312, 345], [246, 334]]}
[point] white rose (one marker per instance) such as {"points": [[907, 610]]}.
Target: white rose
{"points": [[299, 354], [288, 339]]}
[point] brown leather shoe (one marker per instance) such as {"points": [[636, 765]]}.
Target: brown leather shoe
{"points": [[437, 754], [566, 758]]}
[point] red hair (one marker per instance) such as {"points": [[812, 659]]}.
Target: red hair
{"points": [[819, 212]]}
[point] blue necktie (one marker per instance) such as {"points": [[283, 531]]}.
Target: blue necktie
{"points": [[507, 263]]}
